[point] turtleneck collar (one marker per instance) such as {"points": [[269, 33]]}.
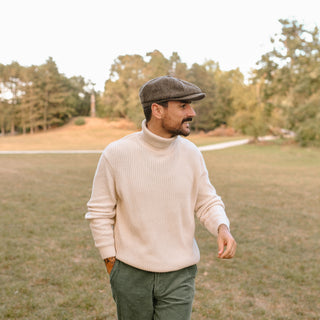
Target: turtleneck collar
{"points": [[154, 140]]}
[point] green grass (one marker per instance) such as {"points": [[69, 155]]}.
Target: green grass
{"points": [[273, 200], [51, 270]]}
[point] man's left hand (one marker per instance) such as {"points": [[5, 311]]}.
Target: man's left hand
{"points": [[226, 244]]}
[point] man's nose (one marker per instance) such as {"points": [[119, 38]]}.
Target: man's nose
{"points": [[191, 112]]}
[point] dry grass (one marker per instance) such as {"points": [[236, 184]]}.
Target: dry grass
{"points": [[273, 200], [95, 134], [51, 270]]}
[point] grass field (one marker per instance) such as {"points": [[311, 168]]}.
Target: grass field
{"points": [[51, 270]]}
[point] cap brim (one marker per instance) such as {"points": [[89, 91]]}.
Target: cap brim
{"points": [[192, 97]]}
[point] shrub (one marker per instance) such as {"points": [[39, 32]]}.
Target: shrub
{"points": [[308, 134], [80, 121]]}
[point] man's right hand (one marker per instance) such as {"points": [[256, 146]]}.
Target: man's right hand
{"points": [[110, 263], [226, 243]]}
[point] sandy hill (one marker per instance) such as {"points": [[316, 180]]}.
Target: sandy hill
{"points": [[98, 123], [96, 133]]}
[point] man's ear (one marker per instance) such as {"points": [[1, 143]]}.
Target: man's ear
{"points": [[157, 110]]}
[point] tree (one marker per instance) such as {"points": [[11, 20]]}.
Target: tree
{"points": [[80, 91], [307, 121], [203, 76], [291, 77], [11, 87], [218, 106], [53, 95], [157, 66], [2, 102], [177, 68], [31, 100], [39, 97], [130, 72], [120, 98]]}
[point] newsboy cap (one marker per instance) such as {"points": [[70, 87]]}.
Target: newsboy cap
{"points": [[168, 88]]}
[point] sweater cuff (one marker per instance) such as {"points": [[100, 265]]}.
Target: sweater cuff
{"points": [[218, 217], [107, 252]]}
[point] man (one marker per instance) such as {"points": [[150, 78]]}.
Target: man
{"points": [[147, 188]]}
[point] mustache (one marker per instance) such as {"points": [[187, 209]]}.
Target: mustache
{"points": [[187, 119]]}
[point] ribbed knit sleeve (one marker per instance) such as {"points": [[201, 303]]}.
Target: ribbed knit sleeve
{"points": [[209, 206], [101, 208]]}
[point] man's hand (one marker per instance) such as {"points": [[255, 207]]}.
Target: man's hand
{"points": [[226, 243], [110, 263]]}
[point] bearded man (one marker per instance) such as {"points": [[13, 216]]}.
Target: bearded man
{"points": [[147, 190]]}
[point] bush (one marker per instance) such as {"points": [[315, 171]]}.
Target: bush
{"points": [[308, 134], [80, 121], [222, 131], [250, 123], [307, 122]]}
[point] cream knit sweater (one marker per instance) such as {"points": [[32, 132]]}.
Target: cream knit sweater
{"points": [[145, 194]]}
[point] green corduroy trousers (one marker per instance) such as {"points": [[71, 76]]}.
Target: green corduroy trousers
{"points": [[143, 295]]}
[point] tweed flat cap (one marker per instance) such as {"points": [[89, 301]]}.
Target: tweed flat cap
{"points": [[168, 88]]}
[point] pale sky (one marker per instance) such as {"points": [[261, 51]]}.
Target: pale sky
{"points": [[84, 37]]}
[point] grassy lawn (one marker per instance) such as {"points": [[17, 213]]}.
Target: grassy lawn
{"points": [[51, 270]]}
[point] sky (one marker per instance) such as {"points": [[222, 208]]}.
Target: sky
{"points": [[84, 37]]}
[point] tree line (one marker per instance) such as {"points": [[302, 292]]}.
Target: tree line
{"points": [[283, 90], [39, 97]]}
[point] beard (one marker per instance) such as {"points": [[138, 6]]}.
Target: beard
{"points": [[176, 131]]}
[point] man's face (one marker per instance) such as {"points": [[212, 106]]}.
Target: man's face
{"points": [[177, 117]]}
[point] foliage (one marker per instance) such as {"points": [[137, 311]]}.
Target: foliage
{"points": [[79, 95], [11, 85], [229, 100], [39, 97], [130, 72], [80, 121], [308, 121], [203, 77], [283, 92], [250, 115], [290, 79]]}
